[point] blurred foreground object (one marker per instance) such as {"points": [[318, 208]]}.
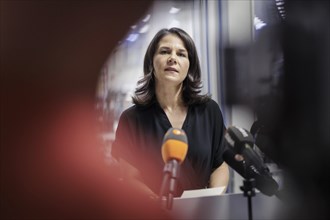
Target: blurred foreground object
{"points": [[52, 163], [292, 102]]}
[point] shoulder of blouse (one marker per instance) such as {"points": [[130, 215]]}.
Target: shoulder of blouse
{"points": [[210, 104], [213, 107], [213, 104], [135, 110], [129, 110]]}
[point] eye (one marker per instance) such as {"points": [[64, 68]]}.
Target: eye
{"points": [[181, 54], [164, 52]]}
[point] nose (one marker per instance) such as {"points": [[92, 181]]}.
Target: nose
{"points": [[172, 59]]}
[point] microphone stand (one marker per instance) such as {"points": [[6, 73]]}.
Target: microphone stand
{"points": [[167, 175], [168, 187], [249, 191], [172, 185]]}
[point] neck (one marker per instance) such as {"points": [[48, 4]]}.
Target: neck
{"points": [[170, 98]]}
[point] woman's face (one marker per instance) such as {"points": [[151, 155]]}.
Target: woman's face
{"points": [[171, 62]]}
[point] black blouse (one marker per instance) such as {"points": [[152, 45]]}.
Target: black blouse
{"points": [[141, 130]]}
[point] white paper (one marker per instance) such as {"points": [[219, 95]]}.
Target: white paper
{"points": [[216, 191]]}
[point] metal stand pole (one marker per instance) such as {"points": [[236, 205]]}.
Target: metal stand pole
{"points": [[249, 191]]}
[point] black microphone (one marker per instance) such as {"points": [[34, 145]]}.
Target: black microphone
{"points": [[264, 138], [174, 151], [240, 142]]}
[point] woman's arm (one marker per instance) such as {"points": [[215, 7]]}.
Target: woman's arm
{"points": [[130, 174], [220, 177]]}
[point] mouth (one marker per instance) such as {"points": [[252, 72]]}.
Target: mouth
{"points": [[171, 69]]}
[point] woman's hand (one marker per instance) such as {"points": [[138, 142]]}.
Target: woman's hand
{"points": [[220, 177], [131, 175]]}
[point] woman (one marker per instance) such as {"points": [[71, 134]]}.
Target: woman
{"points": [[169, 96]]}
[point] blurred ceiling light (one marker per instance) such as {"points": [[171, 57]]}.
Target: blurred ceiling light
{"points": [[132, 37], [281, 7], [174, 10], [146, 18], [144, 29], [258, 23]]}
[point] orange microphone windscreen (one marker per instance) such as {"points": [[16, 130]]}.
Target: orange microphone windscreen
{"points": [[175, 145]]}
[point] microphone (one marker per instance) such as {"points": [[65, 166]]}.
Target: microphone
{"points": [[240, 141], [174, 151], [264, 136]]}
